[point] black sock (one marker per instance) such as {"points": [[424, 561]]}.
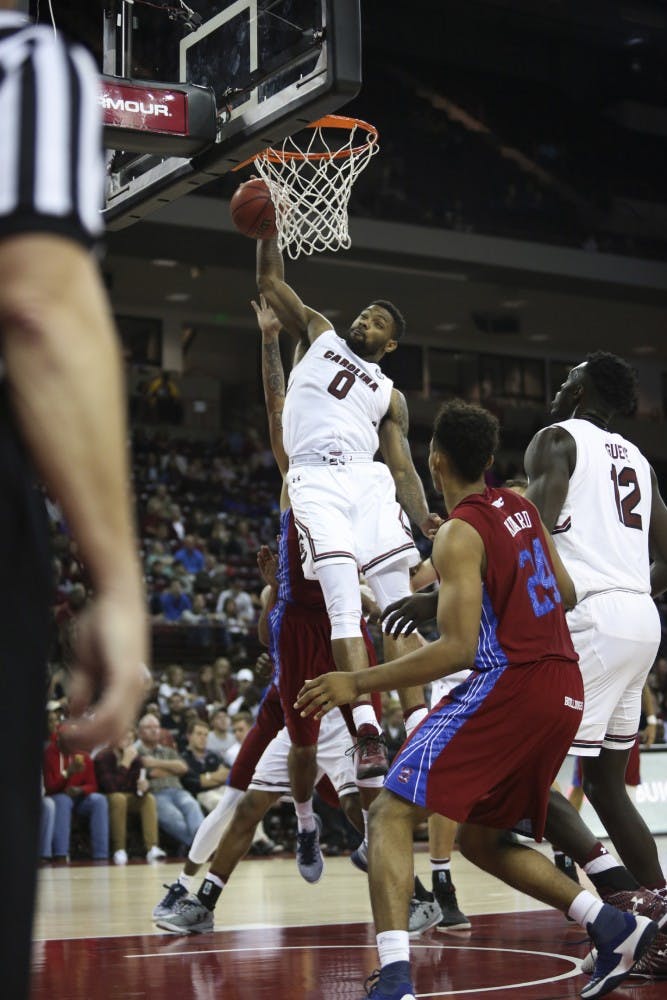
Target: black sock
{"points": [[208, 894], [613, 880]]}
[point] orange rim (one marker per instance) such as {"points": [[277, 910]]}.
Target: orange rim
{"points": [[329, 121]]}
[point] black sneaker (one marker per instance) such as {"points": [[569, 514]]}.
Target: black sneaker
{"points": [[445, 895], [421, 893]]}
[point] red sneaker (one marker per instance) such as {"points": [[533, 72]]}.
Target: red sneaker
{"points": [[372, 759]]}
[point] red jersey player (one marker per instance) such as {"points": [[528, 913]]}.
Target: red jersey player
{"points": [[487, 754]]}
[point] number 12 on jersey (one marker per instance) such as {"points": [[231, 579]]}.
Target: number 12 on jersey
{"points": [[626, 506]]}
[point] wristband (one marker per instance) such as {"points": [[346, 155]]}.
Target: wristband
{"points": [[651, 720]]}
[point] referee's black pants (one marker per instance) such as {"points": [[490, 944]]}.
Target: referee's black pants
{"points": [[25, 595]]}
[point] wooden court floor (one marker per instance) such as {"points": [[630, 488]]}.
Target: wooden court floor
{"points": [[277, 938]]}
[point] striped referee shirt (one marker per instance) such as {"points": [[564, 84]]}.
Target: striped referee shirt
{"points": [[51, 160]]}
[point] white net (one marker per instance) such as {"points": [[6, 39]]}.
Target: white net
{"points": [[311, 181]]}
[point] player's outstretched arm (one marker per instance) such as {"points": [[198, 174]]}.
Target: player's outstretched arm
{"points": [[273, 379], [298, 319], [64, 377], [549, 462], [658, 539], [395, 450]]}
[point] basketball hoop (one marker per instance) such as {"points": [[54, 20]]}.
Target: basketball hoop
{"points": [[310, 178]]}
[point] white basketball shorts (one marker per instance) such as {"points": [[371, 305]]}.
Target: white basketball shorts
{"points": [[271, 774], [616, 635], [443, 685], [348, 512]]}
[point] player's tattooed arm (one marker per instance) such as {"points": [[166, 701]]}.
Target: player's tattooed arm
{"points": [[395, 450], [273, 378]]}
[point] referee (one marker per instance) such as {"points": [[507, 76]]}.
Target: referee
{"points": [[61, 415]]}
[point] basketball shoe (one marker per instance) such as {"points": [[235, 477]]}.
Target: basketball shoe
{"points": [[620, 940], [445, 894], [359, 857], [393, 982], [372, 759], [644, 902], [309, 858], [189, 916], [175, 892]]}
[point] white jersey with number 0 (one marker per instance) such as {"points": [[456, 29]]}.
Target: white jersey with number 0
{"points": [[602, 531], [335, 401]]}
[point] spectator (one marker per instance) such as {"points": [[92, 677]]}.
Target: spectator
{"points": [[120, 777], [174, 602], [241, 725], [174, 719], [179, 815], [208, 691], [70, 779], [207, 773], [244, 607], [248, 696], [236, 629], [220, 737], [173, 680], [190, 556], [222, 672]]}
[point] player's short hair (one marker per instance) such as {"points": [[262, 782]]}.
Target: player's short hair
{"points": [[615, 381], [468, 435], [396, 315]]}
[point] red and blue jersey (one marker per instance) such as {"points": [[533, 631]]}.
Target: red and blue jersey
{"points": [[523, 618], [475, 757]]}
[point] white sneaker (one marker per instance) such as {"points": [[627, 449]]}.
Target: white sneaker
{"points": [[155, 854], [120, 857]]}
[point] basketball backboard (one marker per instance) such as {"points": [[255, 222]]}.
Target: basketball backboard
{"points": [[272, 66]]}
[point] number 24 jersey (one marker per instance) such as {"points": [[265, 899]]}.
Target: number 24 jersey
{"points": [[523, 618]]}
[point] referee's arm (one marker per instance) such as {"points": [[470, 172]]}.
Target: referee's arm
{"points": [[64, 375]]}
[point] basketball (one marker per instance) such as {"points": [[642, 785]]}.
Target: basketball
{"points": [[252, 210]]}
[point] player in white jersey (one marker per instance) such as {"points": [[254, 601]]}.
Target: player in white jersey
{"points": [[348, 509], [599, 497]]}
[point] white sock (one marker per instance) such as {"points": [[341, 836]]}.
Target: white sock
{"points": [[304, 816], [364, 715], [414, 719], [393, 946], [585, 908], [185, 880], [208, 834], [601, 864], [441, 864]]}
